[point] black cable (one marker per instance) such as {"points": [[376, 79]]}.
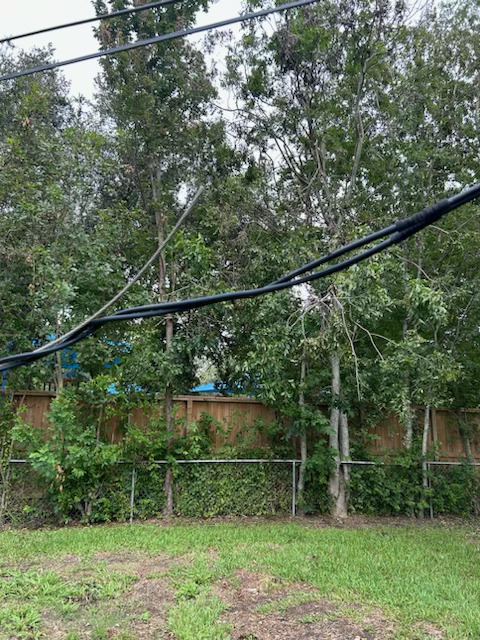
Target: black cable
{"points": [[398, 232], [103, 16], [338, 253], [406, 228], [157, 39]]}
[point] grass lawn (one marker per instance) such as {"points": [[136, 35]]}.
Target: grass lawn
{"points": [[243, 580]]}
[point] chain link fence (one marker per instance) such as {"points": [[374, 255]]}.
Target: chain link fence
{"points": [[208, 488], [408, 488], [202, 488]]}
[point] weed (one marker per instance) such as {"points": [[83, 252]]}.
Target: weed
{"points": [[291, 601], [69, 609], [23, 621], [197, 619], [310, 619]]}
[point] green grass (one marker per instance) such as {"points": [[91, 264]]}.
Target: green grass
{"points": [[415, 574], [286, 603], [46, 590]]}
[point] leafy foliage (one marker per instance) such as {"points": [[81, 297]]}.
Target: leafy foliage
{"points": [[73, 462]]}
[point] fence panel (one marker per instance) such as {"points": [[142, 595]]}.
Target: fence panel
{"points": [[211, 488], [149, 494], [26, 504], [235, 415], [255, 488]]}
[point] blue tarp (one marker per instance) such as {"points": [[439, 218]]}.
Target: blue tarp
{"points": [[212, 387]]}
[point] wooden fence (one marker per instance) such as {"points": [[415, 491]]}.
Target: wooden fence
{"points": [[233, 416]]}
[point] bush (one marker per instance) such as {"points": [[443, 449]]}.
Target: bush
{"points": [[396, 488], [392, 489], [316, 496], [73, 464], [455, 489], [149, 491]]}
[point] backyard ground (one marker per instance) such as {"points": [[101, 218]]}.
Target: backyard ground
{"points": [[243, 580]]}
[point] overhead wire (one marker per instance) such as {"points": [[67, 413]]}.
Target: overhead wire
{"points": [[102, 17], [397, 232], [157, 39]]}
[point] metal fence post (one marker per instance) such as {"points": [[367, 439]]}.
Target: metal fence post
{"points": [[132, 494], [294, 487], [429, 470]]}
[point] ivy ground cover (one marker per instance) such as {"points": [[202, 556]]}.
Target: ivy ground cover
{"points": [[242, 580]]}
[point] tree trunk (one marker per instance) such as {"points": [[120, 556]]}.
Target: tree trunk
{"points": [[333, 440], [341, 508], [59, 372], [426, 428], [340, 443], [407, 404], [155, 176], [408, 437], [465, 436], [168, 511], [303, 441]]}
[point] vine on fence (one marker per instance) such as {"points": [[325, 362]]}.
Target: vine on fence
{"points": [[7, 420]]}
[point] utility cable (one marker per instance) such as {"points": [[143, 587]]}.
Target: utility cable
{"points": [[157, 39], [101, 17], [398, 232], [403, 229], [135, 279]]}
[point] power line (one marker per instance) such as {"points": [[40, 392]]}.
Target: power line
{"points": [[104, 16], [404, 228], [398, 232], [157, 39]]}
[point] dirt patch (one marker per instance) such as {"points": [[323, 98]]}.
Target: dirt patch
{"points": [[152, 600], [430, 631], [263, 608], [136, 563], [248, 589], [141, 611], [143, 607], [57, 564]]}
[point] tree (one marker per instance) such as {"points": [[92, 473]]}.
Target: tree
{"points": [[308, 92], [158, 98]]}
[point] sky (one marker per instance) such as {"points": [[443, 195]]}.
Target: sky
{"points": [[29, 15]]}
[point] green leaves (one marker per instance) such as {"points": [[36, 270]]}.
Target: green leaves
{"points": [[74, 461]]}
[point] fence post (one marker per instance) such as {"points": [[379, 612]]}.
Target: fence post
{"points": [[429, 470], [132, 494], [294, 487]]}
